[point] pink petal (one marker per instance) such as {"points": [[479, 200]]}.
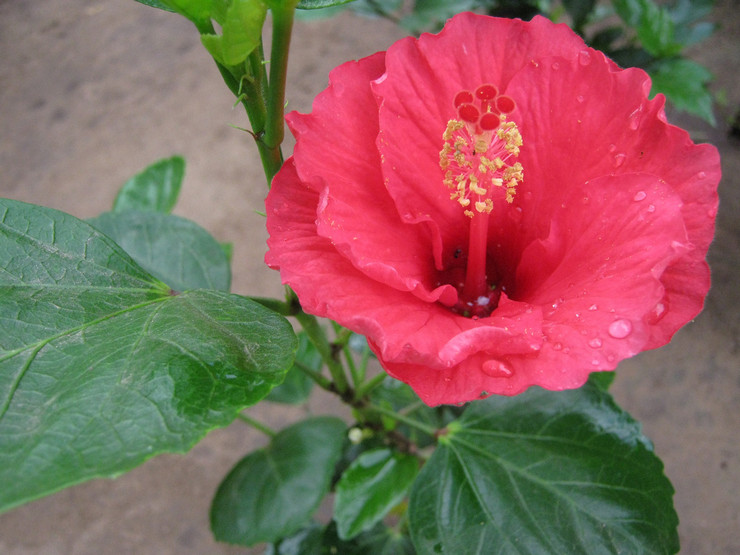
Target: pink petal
{"points": [[335, 154]]}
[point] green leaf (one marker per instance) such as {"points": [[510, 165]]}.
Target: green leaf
{"points": [[154, 189], [273, 492], [197, 11], [373, 484], [318, 4], [579, 10], [684, 83], [297, 385], [174, 250], [429, 14], [101, 368], [241, 32], [156, 4], [656, 32], [544, 472], [315, 540], [602, 380]]}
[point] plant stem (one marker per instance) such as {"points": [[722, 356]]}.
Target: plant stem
{"points": [[318, 338], [282, 28], [369, 385], [475, 276], [320, 380], [404, 419], [257, 425]]}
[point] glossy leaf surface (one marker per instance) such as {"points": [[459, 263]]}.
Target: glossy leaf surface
{"points": [[241, 32], [372, 485], [271, 493], [174, 250], [543, 472], [101, 367], [154, 189]]}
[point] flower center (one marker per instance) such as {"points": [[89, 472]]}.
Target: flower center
{"points": [[477, 164]]}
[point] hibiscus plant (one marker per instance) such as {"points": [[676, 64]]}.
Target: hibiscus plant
{"points": [[475, 227]]}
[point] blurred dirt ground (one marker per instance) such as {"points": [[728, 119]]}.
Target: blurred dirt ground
{"points": [[92, 91]]}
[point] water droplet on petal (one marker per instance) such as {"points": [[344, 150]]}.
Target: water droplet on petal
{"points": [[657, 313], [635, 118], [595, 362], [584, 57], [640, 195], [619, 159], [701, 175], [651, 208], [579, 98], [619, 329], [593, 307], [556, 66], [557, 346], [595, 343], [612, 148], [497, 369]]}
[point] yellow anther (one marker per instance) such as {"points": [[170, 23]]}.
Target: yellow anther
{"points": [[475, 162]]}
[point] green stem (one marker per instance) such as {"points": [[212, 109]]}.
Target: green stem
{"points": [[282, 28], [369, 385], [257, 425], [404, 419], [320, 380], [317, 336]]}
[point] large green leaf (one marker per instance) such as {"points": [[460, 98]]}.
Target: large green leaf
{"points": [[175, 250], [273, 492], [241, 32], [102, 367], [155, 189], [544, 472], [373, 484]]}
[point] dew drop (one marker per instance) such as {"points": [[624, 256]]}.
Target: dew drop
{"points": [[593, 307], [612, 148], [640, 195], [556, 66], [619, 159], [619, 329], [651, 208], [635, 118], [557, 346], [657, 313], [584, 57], [595, 362], [516, 214], [497, 369], [595, 343], [579, 98], [701, 175]]}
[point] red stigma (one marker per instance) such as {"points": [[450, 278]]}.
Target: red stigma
{"points": [[505, 104], [463, 97]]}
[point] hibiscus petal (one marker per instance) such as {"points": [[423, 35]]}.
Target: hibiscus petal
{"points": [[416, 102], [626, 133], [599, 272], [335, 154], [401, 326]]}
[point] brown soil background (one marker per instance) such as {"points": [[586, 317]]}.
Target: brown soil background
{"points": [[92, 91]]}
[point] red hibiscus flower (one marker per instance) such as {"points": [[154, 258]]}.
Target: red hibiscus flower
{"points": [[494, 207]]}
